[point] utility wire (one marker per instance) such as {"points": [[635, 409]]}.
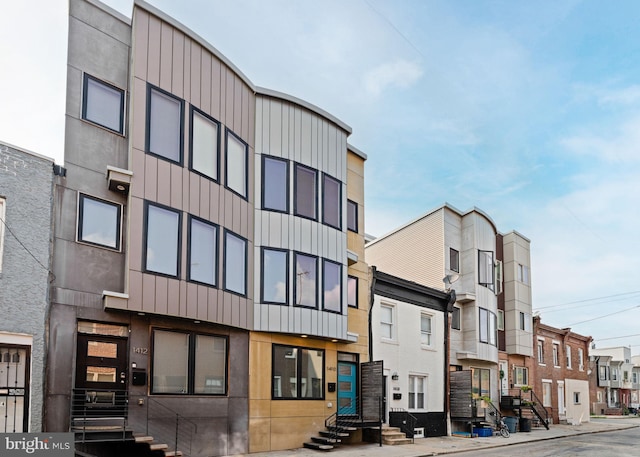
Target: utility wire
{"points": [[616, 337], [22, 244], [606, 315], [589, 299]]}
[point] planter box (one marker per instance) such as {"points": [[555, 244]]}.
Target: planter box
{"points": [[482, 432]]}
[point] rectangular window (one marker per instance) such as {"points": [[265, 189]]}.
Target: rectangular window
{"points": [[455, 318], [523, 274], [634, 377], [352, 291], [352, 216], [580, 359], [275, 184], [235, 263], [2, 223], [525, 322], [576, 398], [99, 222], [162, 242], [500, 319], [205, 141], [189, 363], [520, 376], [203, 251], [103, 104], [614, 374], [237, 159], [546, 394], [480, 382], [487, 326], [306, 280], [331, 202], [454, 260], [556, 355], [568, 354], [540, 351], [275, 271], [164, 124], [332, 280], [485, 269], [298, 373], [305, 192], [425, 330], [603, 372], [386, 322], [416, 392]]}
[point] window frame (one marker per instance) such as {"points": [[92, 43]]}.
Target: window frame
{"points": [[326, 178], [226, 234], [146, 269], [245, 194], [523, 274], [150, 89], [500, 320], [326, 262], [79, 222], [480, 381], [295, 285], [486, 274], [430, 335], [567, 352], [296, 190], [580, 359], [191, 219], [85, 92], [193, 111], [286, 278], [299, 371], [456, 321], [522, 374], [191, 362], [352, 208], [491, 327], [391, 325], [540, 347], [413, 404], [454, 254], [555, 348], [354, 279], [266, 158]]}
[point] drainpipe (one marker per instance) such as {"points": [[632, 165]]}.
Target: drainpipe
{"points": [[451, 299], [372, 271]]}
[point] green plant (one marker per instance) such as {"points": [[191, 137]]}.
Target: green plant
{"points": [[525, 388]]}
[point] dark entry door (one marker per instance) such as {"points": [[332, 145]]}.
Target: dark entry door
{"points": [[347, 388], [101, 375], [14, 388]]}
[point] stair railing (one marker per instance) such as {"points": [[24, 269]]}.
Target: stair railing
{"points": [[539, 410], [172, 428], [408, 422], [99, 409]]}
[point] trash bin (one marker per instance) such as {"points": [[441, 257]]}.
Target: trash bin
{"points": [[525, 424], [511, 422]]}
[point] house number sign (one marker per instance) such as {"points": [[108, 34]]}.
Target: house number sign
{"points": [[140, 350]]}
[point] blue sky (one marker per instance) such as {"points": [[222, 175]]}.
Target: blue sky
{"points": [[529, 111]]}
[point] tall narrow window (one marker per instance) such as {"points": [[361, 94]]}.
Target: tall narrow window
{"points": [[580, 359], [454, 260], [386, 322], [164, 124], [567, 349], [275, 184], [352, 291], [162, 243], [275, 271], [237, 159], [520, 376], [331, 201], [3, 221], [455, 318], [98, 222], [103, 104], [205, 138], [546, 394], [203, 251], [556, 356], [480, 382], [425, 330], [306, 280], [487, 326], [305, 192], [352, 216], [525, 322], [485, 269], [500, 320], [523, 274], [416, 392], [332, 280], [235, 263], [540, 351]]}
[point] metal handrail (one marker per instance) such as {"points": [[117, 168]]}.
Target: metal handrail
{"points": [[409, 422], [172, 427], [99, 410]]}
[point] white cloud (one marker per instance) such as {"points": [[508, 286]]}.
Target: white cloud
{"points": [[401, 74], [620, 146]]}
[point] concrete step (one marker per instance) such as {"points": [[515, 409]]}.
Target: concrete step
{"points": [[158, 447], [331, 434], [318, 446], [143, 439], [395, 441], [325, 440]]}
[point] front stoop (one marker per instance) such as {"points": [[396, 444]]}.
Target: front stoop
{"points": [[155, 447], [393, 436], [329, 438]]}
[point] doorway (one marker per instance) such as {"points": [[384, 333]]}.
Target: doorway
{"points": [[14, 388]]}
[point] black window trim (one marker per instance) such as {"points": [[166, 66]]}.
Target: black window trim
{"points": [[191, 362], [295, 191], [147, 204], [190, 218], [262, 299], [458, 324], [262, 193], [193, 110], [326, 177], [357, 286], [147, 141], [355, 205], [228, 132], [457, 267], [339, 265], [295, 279], [81, 198], [299, 371], [224, 263], [85, 83]]}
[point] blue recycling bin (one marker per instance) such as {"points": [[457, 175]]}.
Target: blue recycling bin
{"points": [[511, 422]]}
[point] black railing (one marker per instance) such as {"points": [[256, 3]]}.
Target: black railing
{"points": [[175, 430], [99, 414], [350, 416], [407, 422]]}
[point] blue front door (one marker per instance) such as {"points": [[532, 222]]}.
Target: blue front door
{"points": [[347, 388]]}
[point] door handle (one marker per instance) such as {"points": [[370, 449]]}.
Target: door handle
{"points": [[123, 375]]}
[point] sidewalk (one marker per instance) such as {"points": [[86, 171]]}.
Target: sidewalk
{"points": [[450, 444]]}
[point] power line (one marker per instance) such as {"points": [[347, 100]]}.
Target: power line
{"points": [[588, 299], [616, 337], [23, 246], [606, 315]]}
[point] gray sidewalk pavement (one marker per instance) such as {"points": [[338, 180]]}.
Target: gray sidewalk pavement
{"points": [[451, 444]]}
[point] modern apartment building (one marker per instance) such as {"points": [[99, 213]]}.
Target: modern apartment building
{"points": [[614, 370], [561, 378], [208, 246], [26, 185], [463, 248]]}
